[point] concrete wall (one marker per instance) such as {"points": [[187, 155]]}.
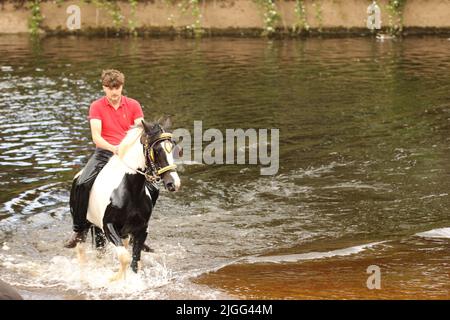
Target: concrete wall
{"points": [[338, 15]]}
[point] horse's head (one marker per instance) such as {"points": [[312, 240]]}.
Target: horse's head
{"points": [[158, 148]]}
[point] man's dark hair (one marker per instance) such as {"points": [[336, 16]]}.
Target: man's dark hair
{"points": [[112, 78]]}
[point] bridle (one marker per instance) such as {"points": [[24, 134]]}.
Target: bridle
{"points": [[152, 171]]}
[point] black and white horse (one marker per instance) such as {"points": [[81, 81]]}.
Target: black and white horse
{"points": [[120, 204]]}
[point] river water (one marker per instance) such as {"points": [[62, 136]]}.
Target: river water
{"points": [[363, 177]]}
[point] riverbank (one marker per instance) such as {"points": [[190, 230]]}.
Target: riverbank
{"points": [[223, 17]]}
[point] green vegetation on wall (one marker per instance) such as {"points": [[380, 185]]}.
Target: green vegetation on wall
{"points": [[395, 10], [194, 6], [268, 9], [318, 13], [132, 20], [112, 7], [300, 11], [36, 16], [270, 15]]}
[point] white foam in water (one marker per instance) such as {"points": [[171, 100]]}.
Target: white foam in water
{"points": [[312, 172], [435, 233], [187, 162], [155, 280], [312, 255], [6, 68], [93, 278]]}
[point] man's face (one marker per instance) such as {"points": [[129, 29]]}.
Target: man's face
{"points": [[113, 94]]}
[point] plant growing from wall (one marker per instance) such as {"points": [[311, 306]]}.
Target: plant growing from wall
{"points": [[196, 13], [171, 17], [36, 16], [194, 5], [113, 9], [270, 14], [132, 19], [395, 11], [318, 7], [300, 12]]}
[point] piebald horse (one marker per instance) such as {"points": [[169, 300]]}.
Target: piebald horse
{"points": [[120, 203]]}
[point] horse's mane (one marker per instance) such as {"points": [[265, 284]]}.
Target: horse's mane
{"points": [[132, 135]]}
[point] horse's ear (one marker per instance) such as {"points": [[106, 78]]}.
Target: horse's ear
{"points": [[167, 123], [145, 126], [160, 120]]}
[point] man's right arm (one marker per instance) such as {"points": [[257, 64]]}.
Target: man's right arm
{"points": [[96, 131]]}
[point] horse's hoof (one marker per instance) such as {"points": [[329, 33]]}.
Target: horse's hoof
{"points": [[113, 278], [100, 250], [117, 276], [146, 248], [100, 254]]}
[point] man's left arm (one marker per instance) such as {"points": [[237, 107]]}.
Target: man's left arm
{"points": [[138, 121], [138, 114]]}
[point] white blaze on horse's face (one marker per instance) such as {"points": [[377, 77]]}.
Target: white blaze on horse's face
{"points": [[171, 179]]}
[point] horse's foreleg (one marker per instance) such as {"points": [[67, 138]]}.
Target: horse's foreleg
{"points": [[138, 243], [122, 252], [81, 253], [100, 239], [124, 259], [126, 242]]}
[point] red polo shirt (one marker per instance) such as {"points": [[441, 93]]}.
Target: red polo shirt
{"points": [[115, 123]]}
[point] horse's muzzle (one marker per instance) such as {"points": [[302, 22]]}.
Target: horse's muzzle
{"points": [[171, 187], [171, 181]]}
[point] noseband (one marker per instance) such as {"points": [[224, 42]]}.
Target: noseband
{"points": [[152, 171]]}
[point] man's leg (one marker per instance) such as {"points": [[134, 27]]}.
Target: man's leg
{"points": [[79, 196]]}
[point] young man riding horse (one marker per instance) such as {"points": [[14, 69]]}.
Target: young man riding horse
{"points": [[110, 118]]}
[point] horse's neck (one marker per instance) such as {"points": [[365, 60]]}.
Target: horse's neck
{"points": [[134, 156]]}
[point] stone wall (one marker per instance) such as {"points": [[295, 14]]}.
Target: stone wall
{"points": [[233, 16]]}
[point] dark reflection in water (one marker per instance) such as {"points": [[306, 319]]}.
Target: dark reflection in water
{"points": [[364, 133]]}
